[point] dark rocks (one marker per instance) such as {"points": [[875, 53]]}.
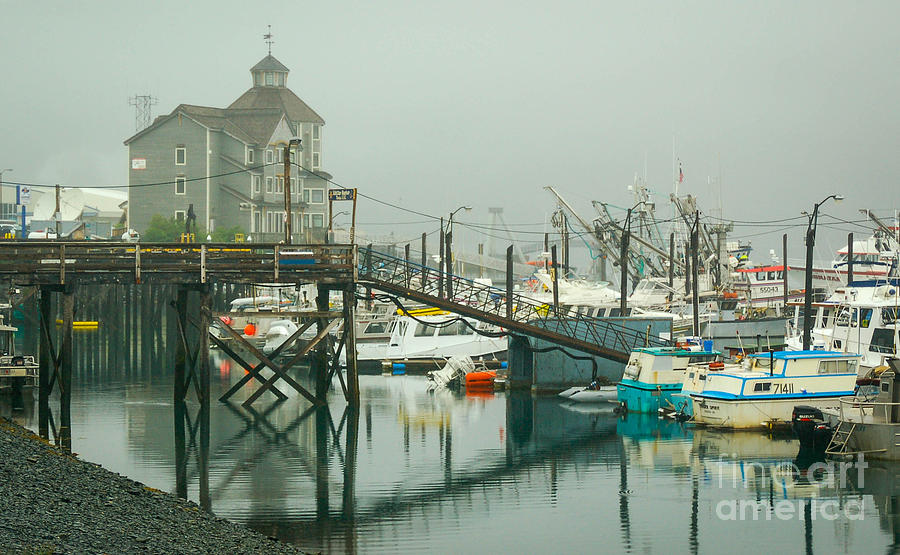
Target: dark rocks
{"points": [[51, 502]]}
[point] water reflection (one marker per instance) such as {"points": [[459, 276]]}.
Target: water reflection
{"points": [[436, 471]]}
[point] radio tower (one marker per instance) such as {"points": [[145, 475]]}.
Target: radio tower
{"points": [[143, 108]]}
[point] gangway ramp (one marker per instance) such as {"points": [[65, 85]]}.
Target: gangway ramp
{"points": [[607, 338]]}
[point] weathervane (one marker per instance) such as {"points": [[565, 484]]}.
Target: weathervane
{"points": [[268, 38]]}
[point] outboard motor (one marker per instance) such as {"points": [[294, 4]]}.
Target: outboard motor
{"points": [[810, 428]]}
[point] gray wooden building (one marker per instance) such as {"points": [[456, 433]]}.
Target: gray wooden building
{"points": [[228, 163]]}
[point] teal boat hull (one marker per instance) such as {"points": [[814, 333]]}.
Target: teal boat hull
{"points": [[649, 398]]}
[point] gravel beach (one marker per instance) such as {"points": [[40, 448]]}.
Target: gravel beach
{"points": [[51, 502]]}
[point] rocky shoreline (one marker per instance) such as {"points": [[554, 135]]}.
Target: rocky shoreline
{"points": [[52, 502]]}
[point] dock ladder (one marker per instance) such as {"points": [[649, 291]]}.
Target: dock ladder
{"points": [[841, 439]]}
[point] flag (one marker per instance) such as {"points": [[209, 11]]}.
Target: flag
{"points": [[680, 173]]}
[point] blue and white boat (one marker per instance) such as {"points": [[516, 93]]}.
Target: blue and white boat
{"points": [[762, 391], [653, 378]]}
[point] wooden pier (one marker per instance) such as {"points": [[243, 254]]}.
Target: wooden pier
{"points": [[61, 267]]}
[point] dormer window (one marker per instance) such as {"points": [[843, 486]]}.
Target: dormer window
{"points": [[270, 78]]}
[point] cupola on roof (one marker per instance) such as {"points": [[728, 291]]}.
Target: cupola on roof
{"points": [[269, 72], [269, 63]]}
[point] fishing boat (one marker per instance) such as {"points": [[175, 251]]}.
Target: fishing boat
{"points": [[15, 370], [873, 258], [868, 425], [762, 391], [654, 376], [861, 318], [426, 342]]}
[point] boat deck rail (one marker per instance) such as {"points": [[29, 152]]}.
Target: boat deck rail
{"points": [[852, 409]]}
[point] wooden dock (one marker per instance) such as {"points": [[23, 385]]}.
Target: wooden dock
{"points": [[61, 267]]}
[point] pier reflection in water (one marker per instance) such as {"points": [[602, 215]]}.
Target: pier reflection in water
{"points": [[417, 471]]}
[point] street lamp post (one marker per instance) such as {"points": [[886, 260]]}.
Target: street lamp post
{"points": [[449, 253], [331, 218], [1, 190], [807, 294], [623, 262]]}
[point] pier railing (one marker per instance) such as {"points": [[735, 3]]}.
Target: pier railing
{"points": [[52, 262], [610, 338]]}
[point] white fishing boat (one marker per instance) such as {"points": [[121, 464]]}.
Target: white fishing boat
{"points": [[762, 391], [15, 370], [425, 342], [762, 287], [860, 319]]}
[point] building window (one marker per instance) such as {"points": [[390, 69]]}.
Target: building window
{"points": [[317, 131], [315, 161], [268, 184], [274, 222], [257, 78], [256, 222], [249, 155], [180, 155], [317, 220], [269, 156], [256, 183], [293, 155], [179, 215], [179, 185], [306, 195], [279, 184], [270, 78], [280, 79], [279, 154]]}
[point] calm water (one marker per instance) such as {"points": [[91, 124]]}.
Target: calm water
{"points": [[416, 471]]}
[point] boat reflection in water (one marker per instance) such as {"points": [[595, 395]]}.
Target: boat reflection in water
{"points": [[413, 470]]}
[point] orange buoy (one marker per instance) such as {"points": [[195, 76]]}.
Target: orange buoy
{"points": [[250, 330]]}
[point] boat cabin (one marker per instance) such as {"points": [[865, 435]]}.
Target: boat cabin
{"points": [[665, 365], [776, 374]]}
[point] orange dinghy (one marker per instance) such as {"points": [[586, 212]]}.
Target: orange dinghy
{"points": [[481, 380]]}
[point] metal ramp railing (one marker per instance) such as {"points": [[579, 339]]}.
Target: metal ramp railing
{"points": [[608, 338]]}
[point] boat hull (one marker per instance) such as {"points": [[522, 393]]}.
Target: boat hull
{"points": [[649, 398], [748, 414]]}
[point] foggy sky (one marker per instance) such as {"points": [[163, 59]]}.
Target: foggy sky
{"points": [[437, 104]]}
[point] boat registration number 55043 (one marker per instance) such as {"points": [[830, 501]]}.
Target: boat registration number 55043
{"points": [[781, 388]]}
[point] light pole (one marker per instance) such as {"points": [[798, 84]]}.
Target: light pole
{"points": [[331, 219], [449, 253], [1, 190], [623, 262], [807, 294]]}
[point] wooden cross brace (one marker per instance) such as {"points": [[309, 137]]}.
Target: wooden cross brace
{"points": [[280, 371]]}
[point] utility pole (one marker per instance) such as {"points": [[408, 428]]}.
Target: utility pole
{"points": [[695, 263], [57, 215], [288, 218], [623, 266]]}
